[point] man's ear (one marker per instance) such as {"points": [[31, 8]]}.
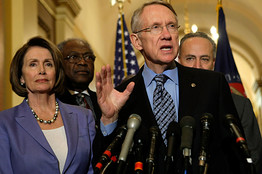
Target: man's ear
{"points": [[214, 61], [178, 59], [136, 41]]}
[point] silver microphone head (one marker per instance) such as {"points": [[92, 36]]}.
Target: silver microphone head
{"points": [[133, 121]]}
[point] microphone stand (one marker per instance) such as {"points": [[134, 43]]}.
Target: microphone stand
{"points": [[187, 161], [121, 166], [202, 163], [150, 162], [240, 140], [203, 169], [250, 164], [206, 120], [109, 166], [150, 159], [139, 157]]}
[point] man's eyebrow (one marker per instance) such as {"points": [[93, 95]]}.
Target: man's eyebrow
{"points": [[191, 55], [205, 56]]}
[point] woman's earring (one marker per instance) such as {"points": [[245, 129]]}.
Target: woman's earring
{"points": [[22, 84]]}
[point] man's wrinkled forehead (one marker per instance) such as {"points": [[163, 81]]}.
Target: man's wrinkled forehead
{"points": [[77, 45]]}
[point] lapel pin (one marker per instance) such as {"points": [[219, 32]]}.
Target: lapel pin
{"points": [[193, 85]]}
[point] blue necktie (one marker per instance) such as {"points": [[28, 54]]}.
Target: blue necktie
{"points": [[164, 106]]}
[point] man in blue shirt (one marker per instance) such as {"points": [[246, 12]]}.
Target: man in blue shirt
{"points": [[193, 92]]}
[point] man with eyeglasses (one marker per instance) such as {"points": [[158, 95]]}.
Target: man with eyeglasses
{"points": [[78, 58], [157, 29], [164, 92]]}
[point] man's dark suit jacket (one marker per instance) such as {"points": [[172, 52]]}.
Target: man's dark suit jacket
{"points": [[251, 128], [200, 91]]}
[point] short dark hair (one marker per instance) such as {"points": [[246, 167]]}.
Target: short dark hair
{"points": [[135, 21], [62, 44], [201, 35], [18, 61]]}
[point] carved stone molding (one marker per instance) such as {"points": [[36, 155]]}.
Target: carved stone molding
{"points": [[72, 5]]}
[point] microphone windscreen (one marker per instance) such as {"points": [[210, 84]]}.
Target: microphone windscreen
{"points": [[173, 129], [207, 117], [187, 125], [230, 118], [187, 121]]}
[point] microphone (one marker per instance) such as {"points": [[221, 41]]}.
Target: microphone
{"points": [[206, 122], [187, 125], [173, 134], [109, 153], [138, 157], [240, 140], [150, 159], [109, 166], [133, 124]]}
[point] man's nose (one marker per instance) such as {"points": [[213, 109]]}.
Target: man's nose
{"points": [[198, 64], [82, 61], [166, 32]]}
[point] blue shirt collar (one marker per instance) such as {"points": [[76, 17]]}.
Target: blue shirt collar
{"points": [[149, 75]]}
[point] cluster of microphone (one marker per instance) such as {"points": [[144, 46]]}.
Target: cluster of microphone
{"points": [[123, 141], [179, 136]]}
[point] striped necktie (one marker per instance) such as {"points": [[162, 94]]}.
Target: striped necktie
{"points": [[81, 100], [164, 106]]}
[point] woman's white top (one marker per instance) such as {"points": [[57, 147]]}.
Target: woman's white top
{"points": [[57, 140]]}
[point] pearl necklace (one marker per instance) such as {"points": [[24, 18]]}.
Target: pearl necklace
{"points": [[44, 121]]}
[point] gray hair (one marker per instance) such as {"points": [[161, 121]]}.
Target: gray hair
{"points": [[136, 22], [198, 34]]}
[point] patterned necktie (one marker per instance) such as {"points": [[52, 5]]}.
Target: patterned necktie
{"points": [[81, 100], [164, 107]]}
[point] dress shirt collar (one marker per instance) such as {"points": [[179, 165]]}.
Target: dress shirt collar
{"points": [[149, 75], [76, 92]]}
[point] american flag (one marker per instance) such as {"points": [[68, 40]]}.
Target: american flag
{"points": [[125, 58], [224, 58]]}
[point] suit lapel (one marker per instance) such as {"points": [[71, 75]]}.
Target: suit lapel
{"points": [[188, 91], [25, 119], [138, 101], [71, 129]]}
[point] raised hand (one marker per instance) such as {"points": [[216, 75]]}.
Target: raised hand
{"points": [[109, 99]]}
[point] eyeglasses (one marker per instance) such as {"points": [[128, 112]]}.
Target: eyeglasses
{"points": [[157, 29], [78, 58]]}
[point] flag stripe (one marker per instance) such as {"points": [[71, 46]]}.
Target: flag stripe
{"points": [[123, 47], [125, 58], [224, 58]]}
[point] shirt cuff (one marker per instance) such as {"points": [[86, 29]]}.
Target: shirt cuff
{"points": [[108, 129]]}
